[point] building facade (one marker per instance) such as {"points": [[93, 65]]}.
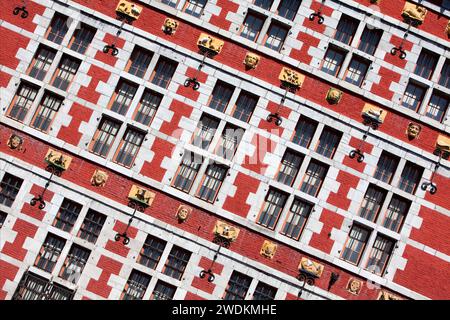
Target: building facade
{"points": [[224, 149]]}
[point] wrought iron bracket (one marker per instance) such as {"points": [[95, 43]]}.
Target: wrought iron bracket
{"points": [[333, 279], [358, 152], [221, 242], [54, 170], [22, 9], [112, 47], [442, 154], [305, 278], [275, 116], [318, 14], [136, 206], [399, 49], [193, 81]]}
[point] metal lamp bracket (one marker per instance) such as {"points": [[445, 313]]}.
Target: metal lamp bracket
{"points": [[400, 49], [358, 152], [275, 116], [193, 81], [54, 170], [22, 9], [318, 14], [442, 154], [221, 242], [136, 206], [305, 278]]}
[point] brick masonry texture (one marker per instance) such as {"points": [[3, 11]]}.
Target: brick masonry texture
{"points": [[421, 245]]}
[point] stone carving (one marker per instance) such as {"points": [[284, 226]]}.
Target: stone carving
{"points": [[414, 13], [57, 159], [15, 142], [354, 286], [141, 195], [313, 268], [413, 131], [251, 60], [183, 212], [384, 295], [224, 230], [210, 43], [268, 249], [374, 113], [291, 77], [170, 26], [334, 96], [99, 178], [128, 9]]}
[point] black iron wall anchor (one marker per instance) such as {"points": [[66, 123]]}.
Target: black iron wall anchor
{"points": [[193, 81], [22, 9], [333, 279], [54, 169], [276, 115], [221, 242], [305, 278], [112, 47], [399, 49], [136, 206], [318, 14], [370, 122], [442, 154]]}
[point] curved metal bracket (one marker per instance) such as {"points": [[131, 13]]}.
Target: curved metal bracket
{"points": [[318, 14], [54, 170], [305, 278], [137, 206], [22, 9]]}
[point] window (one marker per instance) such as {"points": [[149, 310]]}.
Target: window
{"points": [[187, 172], [229, 141], [136, 286], [290, 164], [412, 99], [3, 216], [372, 203], [333, 60], [314, 176], [396, 213], [176, 262], [151, 252], [370, 39], [264, 292], [211, 182], [92, 226], [163, 72], [163, 291], [328, 142], [104, 137], [252, 26], [41, 63], [82, 38], [67, 215], [426, 64], [65, 73], [296, 219], [195, 7], [221, 96], [46, 112], [346, 29], [265, 4], [9, 188], [379, 256], [172, 3], [438, 106], [206, 128], [386, 167], [57, 29], [123, 96], [33, 287], [410, 177], [129, 147], [147, 108], [355, 244], [276, 36], [273, 205], [237, 286], [74, 264], [304, 131], [49, 253], [444, 79], [288, 8], [21, 104], [357, 70], [245, 106], [139, 62]]}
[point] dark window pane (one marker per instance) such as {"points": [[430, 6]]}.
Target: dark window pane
{"points": [[74, 264], [290, 164], [372, 203], [273, 205], [176, 262], [92, 226], [237, 286], [346, 29], [136, 286], [410, 177], [396, 213], [264, 292], [82, 38], [370, 39], [49, 253], [426, 64], [245, 106], [328, 142], [304, 131], [67, 215], [355, 245], [9, 188], [163, 291], [314, 177], [288, 8], [296, 219], [151, 252], [57, 29], [187, 172], [386, 167]]}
